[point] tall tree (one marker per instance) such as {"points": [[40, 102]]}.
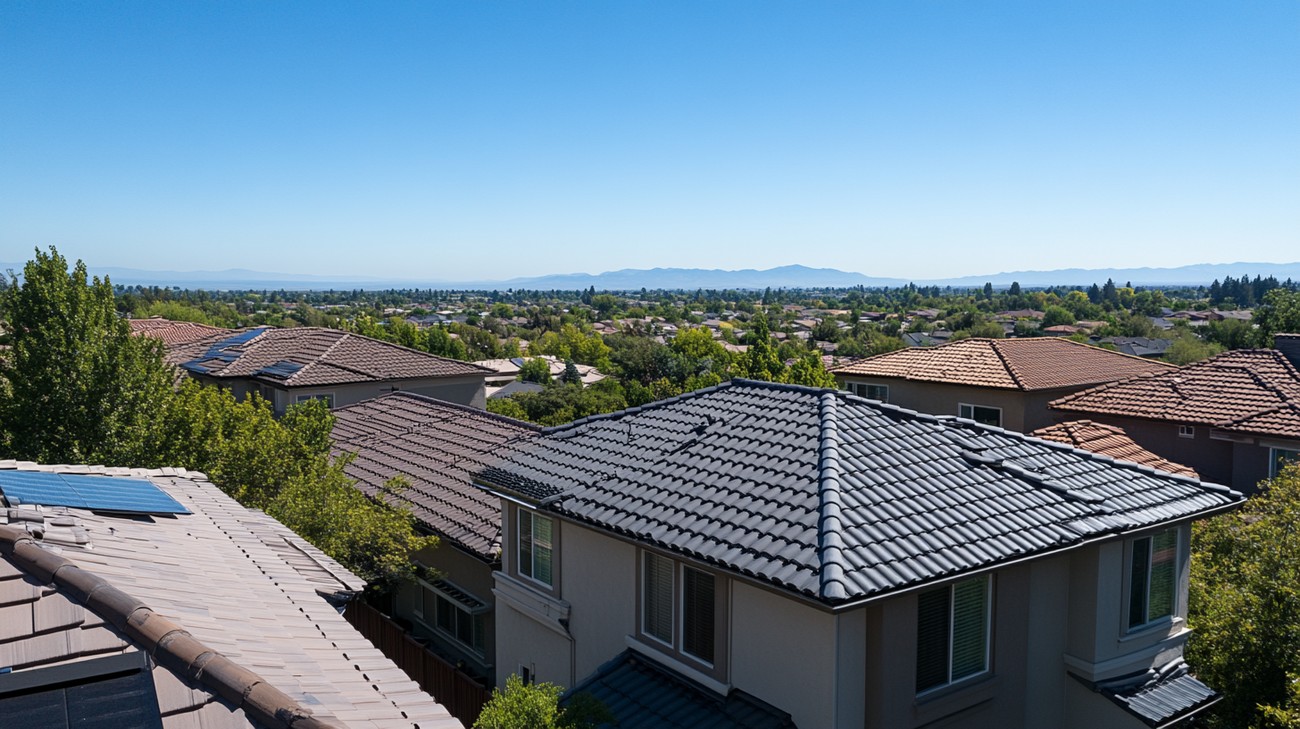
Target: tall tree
{"points": [[75, 387]]}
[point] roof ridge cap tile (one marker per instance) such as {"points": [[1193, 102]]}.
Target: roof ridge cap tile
{"points": [[1016, 378], [164, 640], [830, 503], [317, 359], [486, 370]]}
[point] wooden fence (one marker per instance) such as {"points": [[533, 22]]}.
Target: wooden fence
{"points": [[463, 695]]}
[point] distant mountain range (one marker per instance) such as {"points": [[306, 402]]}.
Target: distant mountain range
{"points": [[697, 278]]}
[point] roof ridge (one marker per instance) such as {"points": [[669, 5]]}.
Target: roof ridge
{"points": [[469, 409], [317, 359], [164, 640], [413, 349], [994, 344], [600, 417], [830, 540]]}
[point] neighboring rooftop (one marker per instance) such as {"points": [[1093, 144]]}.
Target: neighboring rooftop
{"points": [[174, 332], [1248, 391], [1031, 363], [1107, 440], [312, 356], [832, 496], [437, 446], [642, 694], [1160, 697], [228, 604]]}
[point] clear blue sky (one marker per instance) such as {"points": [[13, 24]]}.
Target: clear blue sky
{"points": [[451, 140]]}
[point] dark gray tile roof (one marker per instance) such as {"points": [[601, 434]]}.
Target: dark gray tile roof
{"points": [[437, 446], [642, 694], [830, 495], [1162, 696]]}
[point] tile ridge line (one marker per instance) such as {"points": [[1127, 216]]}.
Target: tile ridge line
{"points": [[168, 643], [830, 506]]}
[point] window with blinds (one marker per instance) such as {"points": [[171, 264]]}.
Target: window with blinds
{"points": [[1153, 578], [952, 636], [697, 614], [657, 597], [535, 547]]}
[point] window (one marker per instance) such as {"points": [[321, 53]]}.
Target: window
{"points": [[535, 547], [1153, 578], [871, 392], [981, 414], [679, 607], [952, 633], [454, 613], [1279, 458], [327, 398], [1186, 431]]}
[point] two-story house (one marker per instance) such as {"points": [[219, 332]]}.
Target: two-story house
{"points": [[1002, 382], [1235, 417], [436, 447], [289, 366], [810, 554]]}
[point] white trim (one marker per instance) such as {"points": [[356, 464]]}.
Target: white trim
{"points": [[544, 609], [1186, 431], [972, 406], [1174, 607]]}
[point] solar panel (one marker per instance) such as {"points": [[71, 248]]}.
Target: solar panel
{"points": [[217, 351], [282, 369], [97, 493]]}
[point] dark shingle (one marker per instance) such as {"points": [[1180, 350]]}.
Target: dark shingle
{"points": [[830, 495], [436, 446], [1162, 696]]}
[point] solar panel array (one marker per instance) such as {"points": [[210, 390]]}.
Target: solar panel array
{"points": [[97, 493]]}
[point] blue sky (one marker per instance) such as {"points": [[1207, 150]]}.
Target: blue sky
{"points": [[486, 140]]}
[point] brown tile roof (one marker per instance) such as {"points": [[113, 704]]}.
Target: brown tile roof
{"points": [[1107, 440], [1249, 391], [312, 356], [438, 447], [1032, 363], [227, 601], [174, 332]]}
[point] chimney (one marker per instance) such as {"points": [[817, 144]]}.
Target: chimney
{"points": [[1289, 346]]}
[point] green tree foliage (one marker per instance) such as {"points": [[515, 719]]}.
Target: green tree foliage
{"points": [[1231, 333], [1280, 314], [1188, 348], [1057, 315], [570, 375], [537, 706], [1245, 607], [75, 387], [535, 370], [760, 362], [558, 404]]}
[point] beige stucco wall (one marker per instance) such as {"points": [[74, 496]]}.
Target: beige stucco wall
{"points": [[600, 583]]}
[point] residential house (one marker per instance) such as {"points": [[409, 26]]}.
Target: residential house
{"points": [[1003, 382], [1235, 417], [1107, 440], [148, 598], [436, 447], [1138, 346], [846, 563], [288, 366]]}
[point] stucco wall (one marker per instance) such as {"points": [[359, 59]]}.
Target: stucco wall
{"points": [[600, 583], [1213, 459]]}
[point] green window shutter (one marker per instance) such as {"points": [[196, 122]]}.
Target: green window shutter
{"points": [[970, 601], [932, 625], [697, 614]]}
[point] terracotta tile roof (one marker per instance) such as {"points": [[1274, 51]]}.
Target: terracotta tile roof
{"points": [[312, 356], [1249, 391], [438, 447], [174, 332], [1033, 363], [227, 601], [831, 496], [1107, 440]]}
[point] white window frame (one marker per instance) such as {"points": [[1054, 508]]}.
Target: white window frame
{"points": [[519, 547], [1187, 431], [326, 397], [1130, 552], [972, 407], [952, 613], [474, 613], [1275, 455]]}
